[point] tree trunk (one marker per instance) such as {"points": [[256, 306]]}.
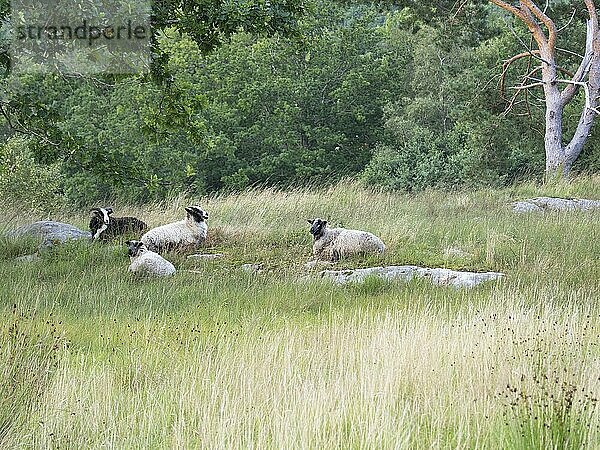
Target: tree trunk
{"points": [[559, 157], [553, 140]]}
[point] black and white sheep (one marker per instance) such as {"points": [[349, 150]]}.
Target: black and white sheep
{"points": [[103, 226], [331, 244], [147, 263], [185, 235]]}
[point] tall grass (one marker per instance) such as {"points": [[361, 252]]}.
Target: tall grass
{"points": [[219, 358]]}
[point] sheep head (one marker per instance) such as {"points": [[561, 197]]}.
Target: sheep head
{"points": [[317, 227], [135, 248], [196, 213], [102, 213]]}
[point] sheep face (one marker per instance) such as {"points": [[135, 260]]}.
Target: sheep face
{"points": [[102, 214], [317, 227], [196, 213], [135, 248], [100, 220]]}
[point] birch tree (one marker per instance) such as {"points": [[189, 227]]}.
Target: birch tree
{"points": [[559, 85]]}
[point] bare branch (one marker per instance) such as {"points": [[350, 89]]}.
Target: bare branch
{"points": [[508, 62], [527, 86], [510, 8], [569, 52], [570, 91], [568, 22], [534, 53], [588, 96], [548, 23]]}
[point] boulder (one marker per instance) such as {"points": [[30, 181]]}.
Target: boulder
{"points": [[50, 233], [27, 258], [440, 277], [539, 204], [206, 257], [252, 268]]}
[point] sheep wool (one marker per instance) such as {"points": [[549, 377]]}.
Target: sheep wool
{"points": [[185, 235], [147, 263], [334, 243]]}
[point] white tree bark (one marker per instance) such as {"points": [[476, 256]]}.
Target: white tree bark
{"points": [[560, 157]]}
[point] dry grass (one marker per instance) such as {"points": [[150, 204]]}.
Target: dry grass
{"points": [[224, 359]]}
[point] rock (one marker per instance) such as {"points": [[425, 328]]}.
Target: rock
{"points": [[50, 233], [440, 277], [207, 257], [555, 204], [252, 268], [27, 258]]}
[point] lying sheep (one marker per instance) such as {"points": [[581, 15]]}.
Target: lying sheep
{"points": [[147, 263], [185, 235], [103, 226], [331, 244]]}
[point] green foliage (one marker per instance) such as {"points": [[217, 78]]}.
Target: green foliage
{"points": [[24, 181], [275, 93], [211, 22]]}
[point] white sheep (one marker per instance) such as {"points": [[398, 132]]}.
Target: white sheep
{"points": [[331, 244], [147, 263], [185, 235]]}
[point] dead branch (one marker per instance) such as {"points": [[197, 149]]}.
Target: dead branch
{"points": [[548, 23], [586, 89], [568, 22], [508, 62], [571, 89]]}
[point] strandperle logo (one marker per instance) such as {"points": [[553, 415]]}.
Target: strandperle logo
{"points": [[83, 37], [85, 31]]}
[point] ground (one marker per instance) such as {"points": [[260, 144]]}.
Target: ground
{"points": [[219, 358]]}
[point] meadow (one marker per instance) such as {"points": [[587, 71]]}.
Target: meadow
{"points": [[220, 358]]}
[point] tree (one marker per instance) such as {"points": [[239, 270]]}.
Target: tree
{"points": [[545, 33]]}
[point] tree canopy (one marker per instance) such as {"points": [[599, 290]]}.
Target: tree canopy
{"points": [[404, 95]]}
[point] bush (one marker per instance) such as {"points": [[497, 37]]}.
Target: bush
{"points": [[33, 186]]}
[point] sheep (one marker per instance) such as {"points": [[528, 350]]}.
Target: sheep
{"points": [[185, 235], [103, 226], [147, 263], [334, 243]]}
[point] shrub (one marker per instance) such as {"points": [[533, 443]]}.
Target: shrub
{"points": [[23, 180]]}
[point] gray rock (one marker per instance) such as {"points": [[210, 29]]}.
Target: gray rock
{"points": [[555, 204], [439, 277], [50, 233], [27, 258], [207, 257], [252, 268]]}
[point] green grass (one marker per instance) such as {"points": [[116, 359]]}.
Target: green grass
{"points": [[218, 358]]}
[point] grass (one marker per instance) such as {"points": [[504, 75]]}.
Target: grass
{"points": [[220, 358]]}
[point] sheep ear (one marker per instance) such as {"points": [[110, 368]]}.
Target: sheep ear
{"points": [[188, 210], [109, 211], [128, 243], [310, 221]]}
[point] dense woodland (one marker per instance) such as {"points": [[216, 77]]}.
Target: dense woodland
{"points": [[404, 95]]}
